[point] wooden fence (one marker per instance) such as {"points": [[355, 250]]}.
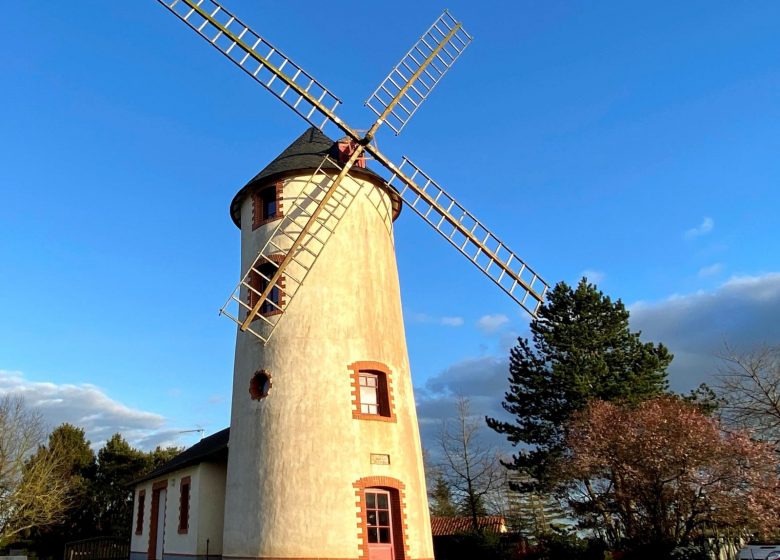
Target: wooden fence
{"points": [[98, 548]]}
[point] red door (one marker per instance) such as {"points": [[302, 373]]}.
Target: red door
{"points": [[379, 525]]}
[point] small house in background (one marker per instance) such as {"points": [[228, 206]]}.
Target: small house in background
{"points": [[182, 503], [454, 538], [450, 526]]}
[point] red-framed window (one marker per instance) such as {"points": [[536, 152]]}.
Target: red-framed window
{"points": [[139, 515], [184, 504], [258, 282], [372, 392], [267, 204]]}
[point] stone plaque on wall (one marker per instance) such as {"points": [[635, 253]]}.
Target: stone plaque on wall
{"points": [[379, 459]]}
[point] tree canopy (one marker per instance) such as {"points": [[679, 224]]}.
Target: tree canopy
{"points": [[100, 499], [32, 491], [662, 473], [581, 348]]}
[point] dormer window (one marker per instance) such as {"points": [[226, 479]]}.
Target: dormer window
{"points": [[267, 204], [346, 146]]}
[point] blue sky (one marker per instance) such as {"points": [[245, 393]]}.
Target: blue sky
{"points": [[633, 142]]}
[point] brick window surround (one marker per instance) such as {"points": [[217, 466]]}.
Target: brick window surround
{"points": [[398, 513], [257, 282], [260, 385], [139, 516], [259, 215], [384, 391], [184, 504]]}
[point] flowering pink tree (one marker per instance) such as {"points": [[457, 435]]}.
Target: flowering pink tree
{"points": [[663, 472]]}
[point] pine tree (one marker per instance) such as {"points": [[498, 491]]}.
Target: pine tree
{"points": [[441, 498], [581, 349]]}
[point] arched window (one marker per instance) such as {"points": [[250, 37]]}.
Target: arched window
{"points": [[267, 204], [372, 392], [258, 280]]}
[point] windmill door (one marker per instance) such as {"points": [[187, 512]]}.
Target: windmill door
{"points": [[379, 523]]}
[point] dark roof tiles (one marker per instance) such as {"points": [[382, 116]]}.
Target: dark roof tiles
{"points": [[304, 154], [211, 448]]}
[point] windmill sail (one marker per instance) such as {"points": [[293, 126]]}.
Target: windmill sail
{"points": [[394, 102], [266, 64], [468, 235], [414, 77]]}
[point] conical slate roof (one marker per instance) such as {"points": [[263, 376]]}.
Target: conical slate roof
{"points": [[304, 154]]}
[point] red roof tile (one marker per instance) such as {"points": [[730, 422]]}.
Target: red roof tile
{"points": [[443, 526]]}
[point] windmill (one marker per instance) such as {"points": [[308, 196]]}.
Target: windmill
{"points": [[370, 457]]}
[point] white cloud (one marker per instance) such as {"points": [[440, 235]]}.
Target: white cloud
{"points": [[703, 228], [446, 321], [742, 312], [490, 324], [87, 406], [711, 270], [482, 380], [593, 276]]}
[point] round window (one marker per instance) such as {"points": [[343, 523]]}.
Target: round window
{"points": [[260, 385]]}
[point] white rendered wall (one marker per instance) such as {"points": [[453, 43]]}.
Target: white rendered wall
{"points": [[211, 511], [206, 512], [185, 543], [139, 544], [295, 455]]}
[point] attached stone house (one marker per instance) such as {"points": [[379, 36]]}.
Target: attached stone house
{"points": [[179, 508]]}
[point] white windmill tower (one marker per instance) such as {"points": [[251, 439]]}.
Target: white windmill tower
{"points": [[325, 458]]}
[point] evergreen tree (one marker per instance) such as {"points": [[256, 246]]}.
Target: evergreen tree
{"points": [[581, 349], [118, 465], [441, 498]]}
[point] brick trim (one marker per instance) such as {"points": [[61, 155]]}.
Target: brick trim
{"points": [[387, 394], [400, 522], [254, 281], [139, 515], [255, 391], [257, 219], [184, 514]]}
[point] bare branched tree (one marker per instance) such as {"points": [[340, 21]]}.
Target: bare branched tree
{"points": [[32, 491], [749, 387], [471, 468]]}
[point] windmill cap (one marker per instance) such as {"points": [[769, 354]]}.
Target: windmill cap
{"points": [[305, 154]]}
